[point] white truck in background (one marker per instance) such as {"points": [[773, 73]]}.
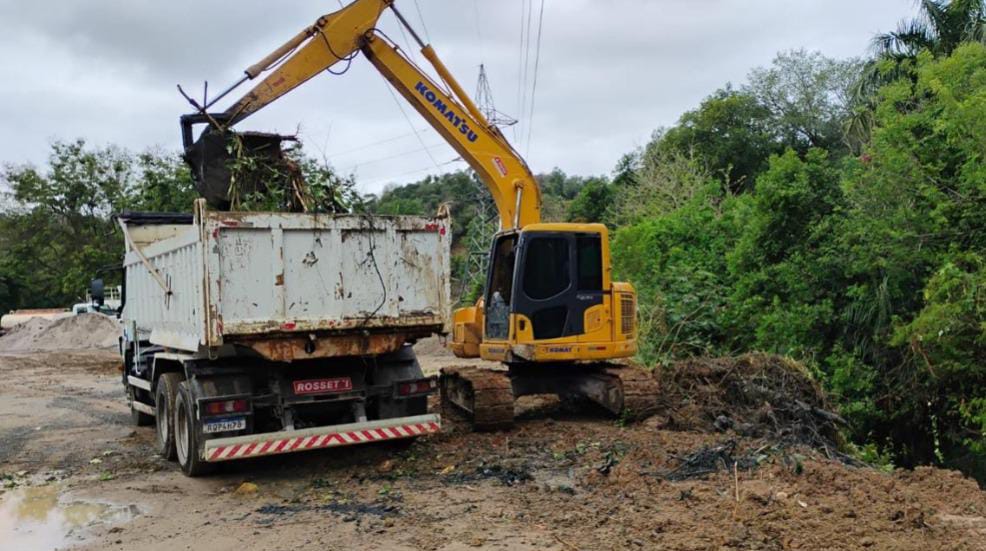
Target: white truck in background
{"points": [[251, 334]]}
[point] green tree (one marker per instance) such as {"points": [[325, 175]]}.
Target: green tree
{"points": [[593, 201], [729, 134], [676, 260], [940, 28], [785, 267], [808, 97], [55, 227]]}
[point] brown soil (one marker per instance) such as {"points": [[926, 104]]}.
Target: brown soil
{"points": [[559, 480]]}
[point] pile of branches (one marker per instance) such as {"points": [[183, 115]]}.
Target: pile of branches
{"points": [[754, 395], [254, 171]]}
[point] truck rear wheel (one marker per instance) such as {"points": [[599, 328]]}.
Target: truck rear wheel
{"points": [[187, 439], [164, 404]]}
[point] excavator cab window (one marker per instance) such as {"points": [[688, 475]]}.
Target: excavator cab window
{"points": [[546, 267], [559, 278], [499, 288], [589, 255]]}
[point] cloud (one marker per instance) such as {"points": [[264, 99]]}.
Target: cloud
{"points": [[610, 72]]}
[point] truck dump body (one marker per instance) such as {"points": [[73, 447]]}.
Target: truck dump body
{"points": [[270, 280]]}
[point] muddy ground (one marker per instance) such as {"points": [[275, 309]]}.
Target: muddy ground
{"points": [[75, 472]]}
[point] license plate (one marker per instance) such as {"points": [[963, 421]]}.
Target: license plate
{"points": [[323, 386], [225, 425]]}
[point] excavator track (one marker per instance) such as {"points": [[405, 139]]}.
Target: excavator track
{"points": [[486, 395], [641, 389]]}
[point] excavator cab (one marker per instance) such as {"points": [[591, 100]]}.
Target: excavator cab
{"points": [[549, 298]]}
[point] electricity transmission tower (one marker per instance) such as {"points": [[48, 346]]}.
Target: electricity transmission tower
{"points": [[484, 100], [479, 234], [478, 238]]}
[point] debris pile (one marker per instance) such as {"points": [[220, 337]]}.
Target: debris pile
{"points": [[81, 332], [754, 395], [247, 171]]}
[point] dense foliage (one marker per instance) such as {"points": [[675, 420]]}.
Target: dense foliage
{"points": [[55, 226], [869, 267]]}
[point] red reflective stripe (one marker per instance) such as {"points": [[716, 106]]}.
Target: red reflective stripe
{"points": [[216, 453], [280, 445], [382, 434], [233, 450], [249, 448], [296, 444], [369, 435], [263, 448], [394, 432], [434, 427]]}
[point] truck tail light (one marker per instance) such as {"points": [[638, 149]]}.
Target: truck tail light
{"points": [[412, 388], [222, 407]]}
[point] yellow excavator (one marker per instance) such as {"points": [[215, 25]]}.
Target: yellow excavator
{"points": [[550, 311]]}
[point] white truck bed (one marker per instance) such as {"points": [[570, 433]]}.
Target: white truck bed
{"points": [[232, 277]]}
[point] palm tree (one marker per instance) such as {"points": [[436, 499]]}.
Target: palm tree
{"points": [[940, 27]]}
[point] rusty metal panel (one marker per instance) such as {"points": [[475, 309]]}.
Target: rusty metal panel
{"points": [[170, 316], [246, 277], [297, 273]]}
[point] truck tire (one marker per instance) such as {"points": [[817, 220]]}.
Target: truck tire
{"points": [[164, 404], [188, 441], [139, 418]]}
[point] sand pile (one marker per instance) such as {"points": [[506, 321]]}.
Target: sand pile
{"points": [[81, 332]]}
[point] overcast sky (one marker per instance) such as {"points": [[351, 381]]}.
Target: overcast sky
{"points": [[610, 71]]}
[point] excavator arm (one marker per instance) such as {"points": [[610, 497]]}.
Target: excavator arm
{"points": [[335, 39]]}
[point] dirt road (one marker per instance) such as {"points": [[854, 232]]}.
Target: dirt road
{"points": [[74, 472]]}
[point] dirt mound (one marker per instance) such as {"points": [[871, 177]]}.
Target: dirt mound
{"points": [[754, 395], [81, 332]]}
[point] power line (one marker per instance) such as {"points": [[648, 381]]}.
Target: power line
{"points": [[410, 124], [521, 85], [407, 43], [409, 173], [534, 86], [394, 156], [479, 32], [371, 144], [423, 26]]}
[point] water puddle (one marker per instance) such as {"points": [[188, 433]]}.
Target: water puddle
{"points": [[43, 518]]}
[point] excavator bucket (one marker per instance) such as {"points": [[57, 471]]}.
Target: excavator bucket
{"points": [[230, 168]]}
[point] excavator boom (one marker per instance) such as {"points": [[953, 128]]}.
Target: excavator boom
{"points": [[335, 39]]}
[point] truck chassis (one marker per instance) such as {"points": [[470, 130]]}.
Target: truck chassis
{"points": [[207, 411]]}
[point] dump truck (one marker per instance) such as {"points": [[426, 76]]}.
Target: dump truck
{"points": [[249, 334]]}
